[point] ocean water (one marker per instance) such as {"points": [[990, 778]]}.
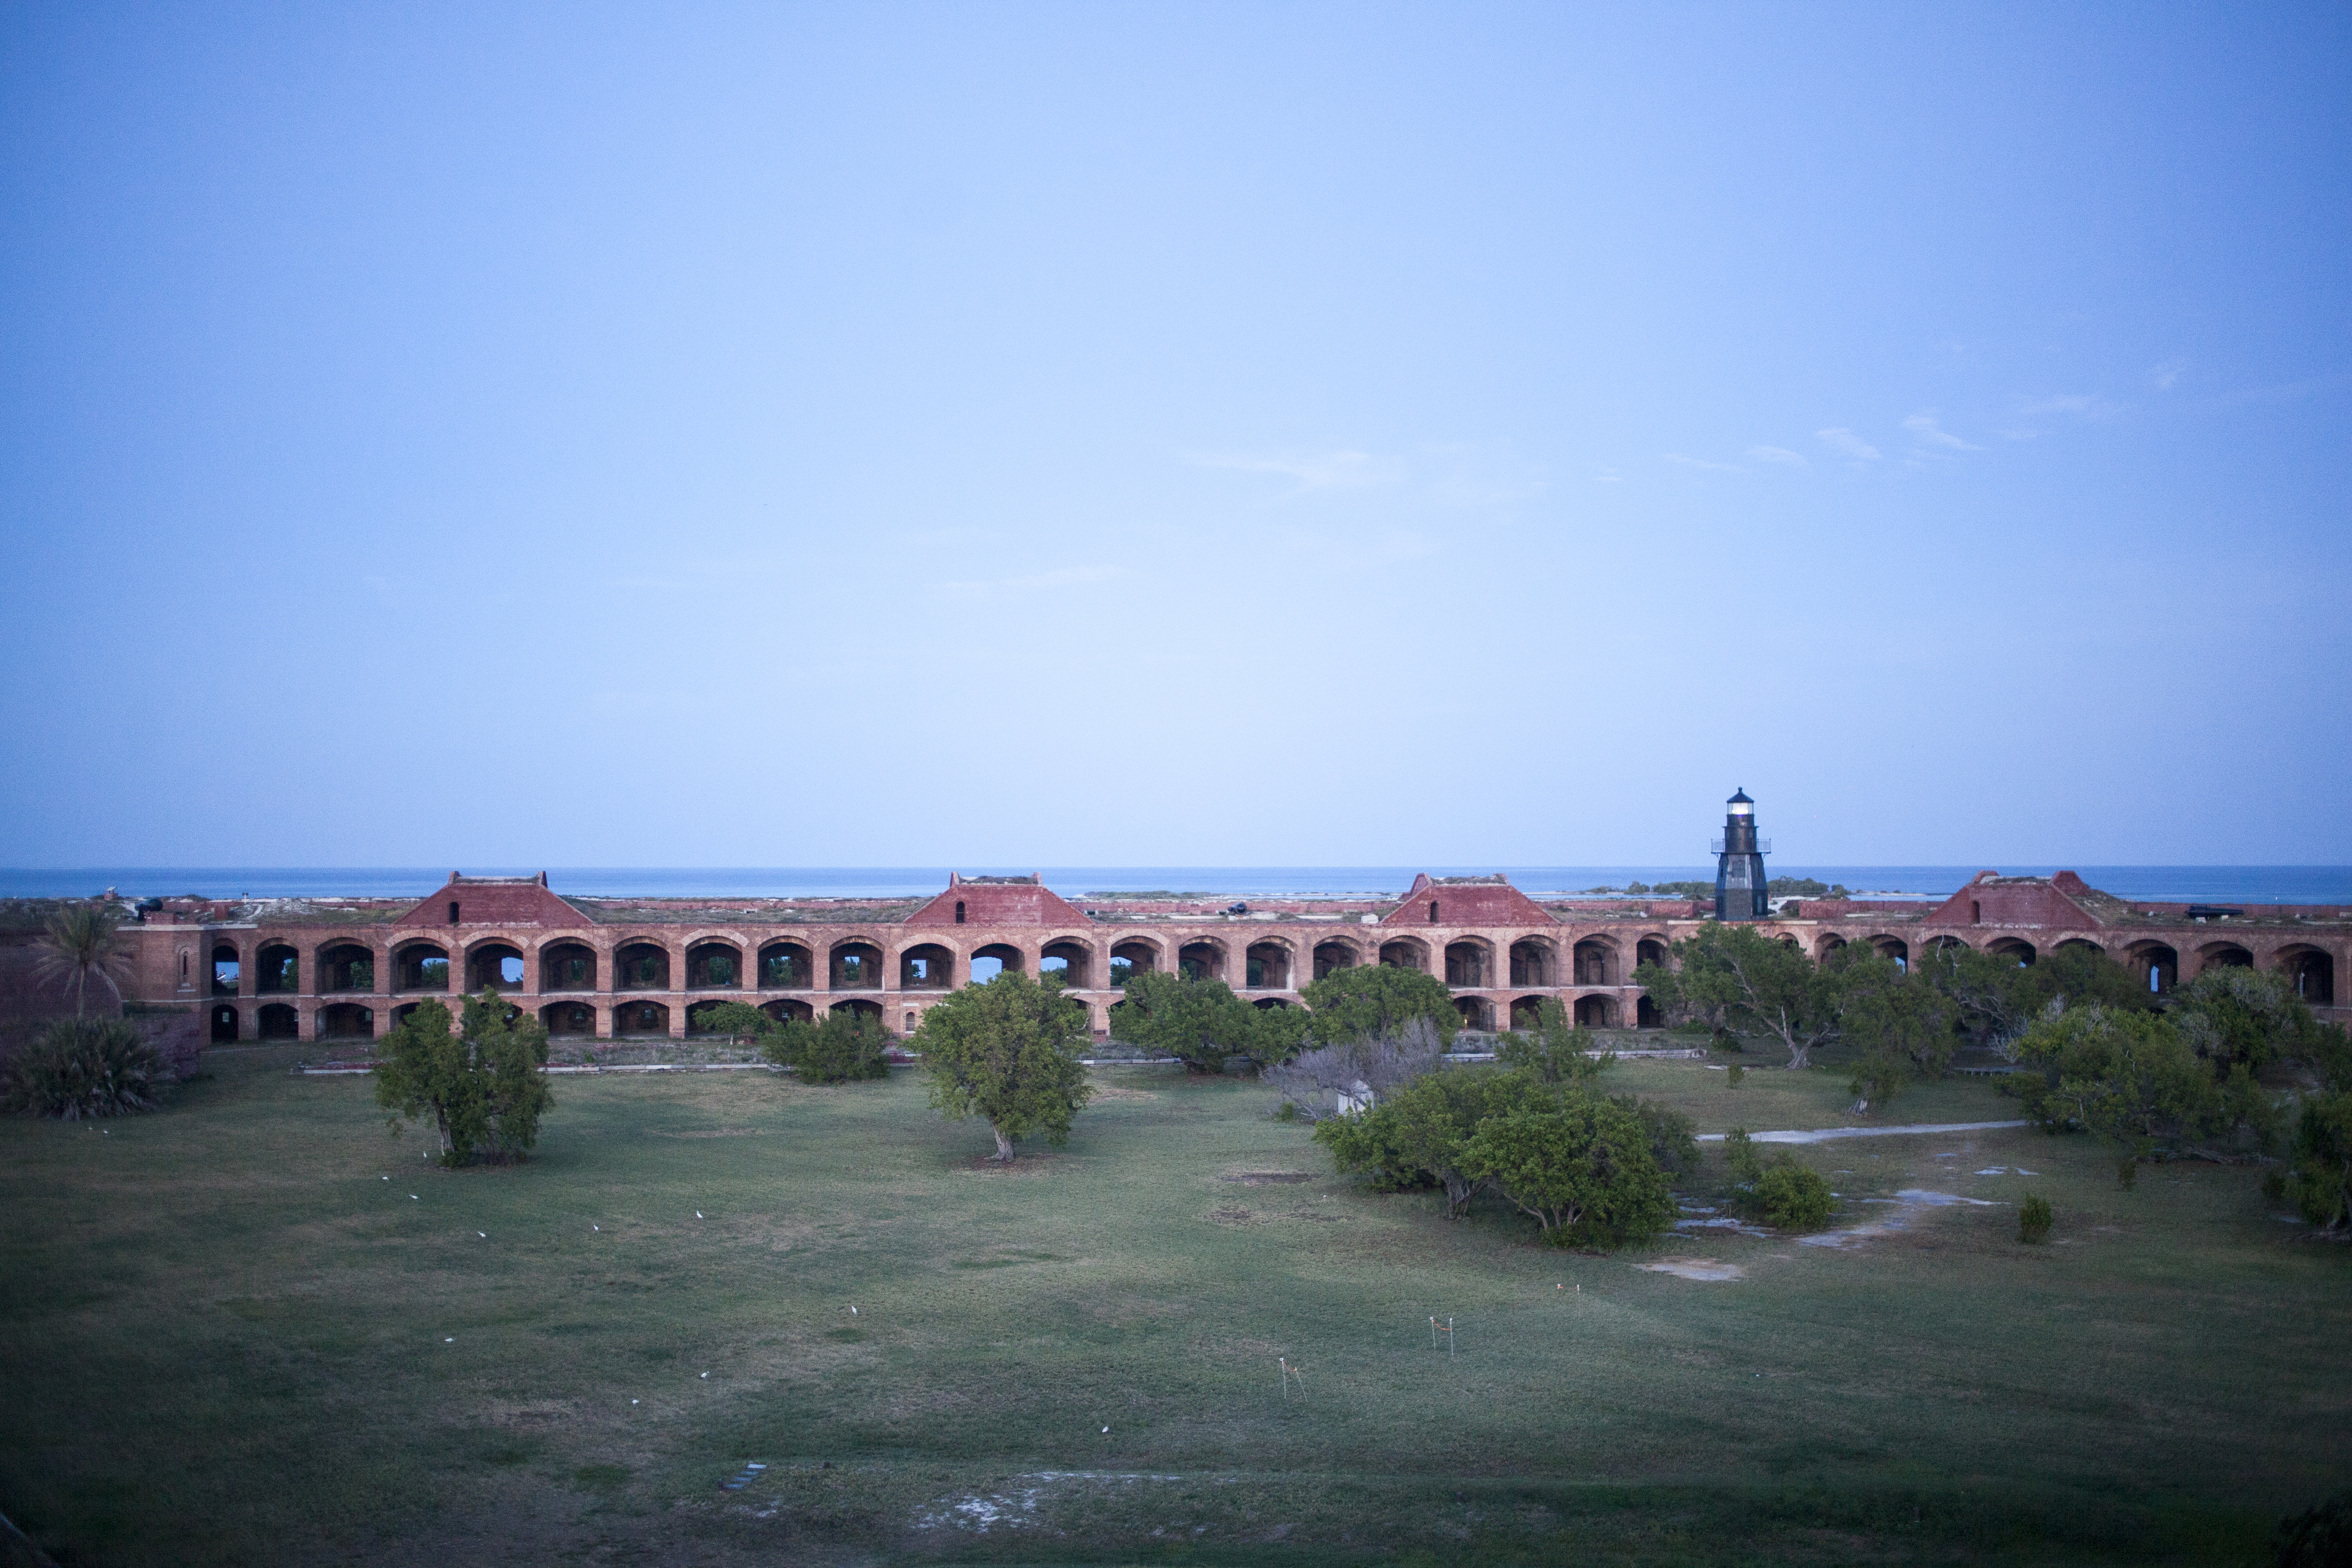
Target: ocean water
{"points": [[2193, 884]]}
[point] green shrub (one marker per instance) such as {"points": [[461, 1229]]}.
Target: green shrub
{"points": [[483, 1084], [84, 1066], [1792, 1197], [1733, 1075], [841, 1049], [2033, 1221]]}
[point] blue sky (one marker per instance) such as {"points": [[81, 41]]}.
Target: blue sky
{"points": [[1264, 434]]}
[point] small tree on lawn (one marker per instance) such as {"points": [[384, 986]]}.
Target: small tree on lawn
{"points": [[485, 1087], [1555, 1051], [1008, 1051], [1899, 1026], [1423, 1130], [2131, 1078], [1578, 1165], [1737, 978], [1375, 1001], [77, 945], [1200, 1022], [843, 1046]]}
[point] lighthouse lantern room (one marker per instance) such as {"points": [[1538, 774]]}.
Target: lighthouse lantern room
{"points": [[1739, 885]]}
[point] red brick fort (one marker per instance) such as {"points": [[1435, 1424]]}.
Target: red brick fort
{"points": [[615, 968]]}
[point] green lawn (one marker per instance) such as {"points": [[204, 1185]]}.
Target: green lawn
{"points": [[226, 1338]]}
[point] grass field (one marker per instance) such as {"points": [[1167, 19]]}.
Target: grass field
{"points": [[227, 1337]]}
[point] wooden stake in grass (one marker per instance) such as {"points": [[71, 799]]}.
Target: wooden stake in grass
{"points": [[1447, 1330], [1288, 1372]]}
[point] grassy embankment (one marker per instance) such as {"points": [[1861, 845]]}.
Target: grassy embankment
{"points": [[228, 1339]]}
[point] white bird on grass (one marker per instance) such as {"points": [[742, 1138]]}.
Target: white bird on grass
{"points": [[483, 1234], [698, 1214], [706, 1374]]}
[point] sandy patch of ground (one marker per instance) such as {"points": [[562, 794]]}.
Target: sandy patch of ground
{"points": [[1907, 1206], [1701, 1268], [1825, 1134]]}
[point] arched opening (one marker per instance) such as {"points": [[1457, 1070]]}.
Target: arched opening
{"points": [[1477, 1013], [1596, 963], [1266, 967], [1829, 944], [1332, 956], [1646, 1015], [1893, 947], [911, 1022], [713, 966], [2311, 973], [226, 970], [1650, 950], [494, 967], [1404, 953], [2017, 950], [277, 971], [1076, 961], [859, 1007], [993, 959], [421, 966], [2225, 955], [642, 966], [857, 967], [568, 1020], [346, 1021], [786, 966], [2076, 944], [2157, 966], [959, 911], [1526, 1013], [1201, 961], [279, 1022], [400, 1014], [640, 1020], [1465, 964], [346, 966], [1532, 964], [1596, 1012], [1129, 959], [567, 966], [789, 1012], [930, 967], [223, 1025], [1266, 1001]]}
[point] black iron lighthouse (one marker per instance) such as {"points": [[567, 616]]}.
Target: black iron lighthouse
{"points": [[1739, 888]]}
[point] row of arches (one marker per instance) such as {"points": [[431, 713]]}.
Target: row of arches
{"points": [[2310, 970], [1271, 963]]}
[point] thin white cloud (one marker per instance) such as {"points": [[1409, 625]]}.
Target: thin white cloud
{"points": [[2085, 404], [1922, 425], [1059, 578], [2166, 376], [1342, 469], [1703, 463], [1781, 455], [1608, 477], [1846, 444]]}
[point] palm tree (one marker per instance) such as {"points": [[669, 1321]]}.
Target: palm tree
{"points": [[79, 945]]}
